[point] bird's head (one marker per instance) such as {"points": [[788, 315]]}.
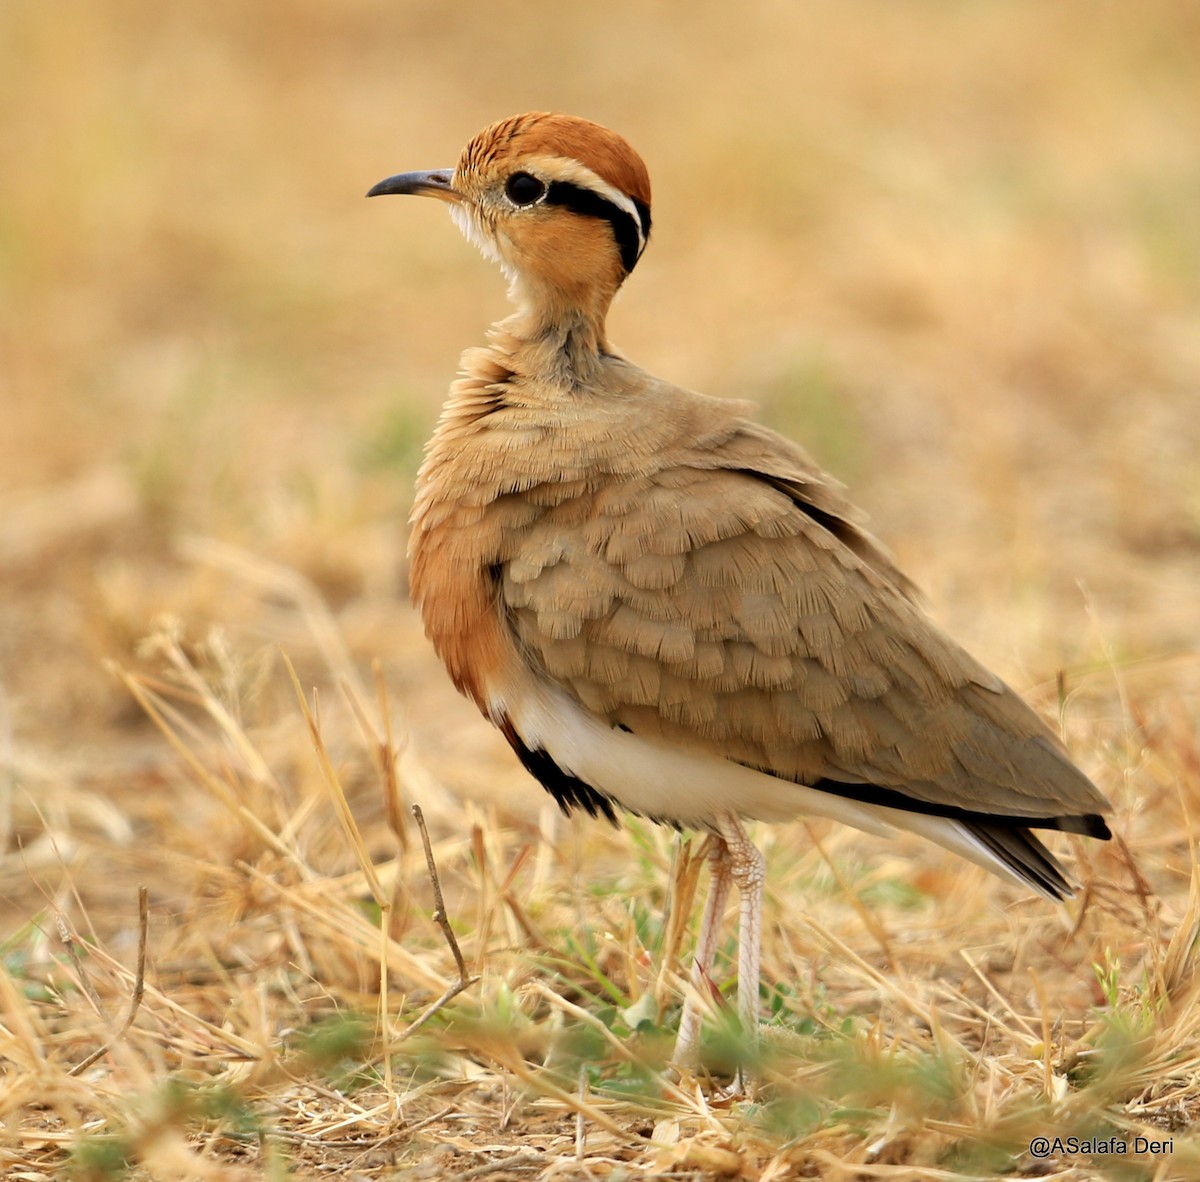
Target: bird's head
{"points": [[561, 203]]}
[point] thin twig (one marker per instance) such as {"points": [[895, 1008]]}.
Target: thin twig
{"points": [[439, 905], [526, 1159], [580, 1126], [139, 984], [68, 938], [439, 917]]}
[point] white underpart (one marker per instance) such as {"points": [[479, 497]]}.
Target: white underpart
{"points": [[667, 782]]}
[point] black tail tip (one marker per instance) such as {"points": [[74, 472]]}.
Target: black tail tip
{"points": [[1087, 825]]}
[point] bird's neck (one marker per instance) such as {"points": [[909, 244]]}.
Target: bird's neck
{"points": [[560, 335]]}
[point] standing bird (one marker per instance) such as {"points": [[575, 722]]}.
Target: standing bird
{"points": [[669, 609]]}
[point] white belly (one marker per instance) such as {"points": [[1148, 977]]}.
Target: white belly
{"points": [[668, 782]]}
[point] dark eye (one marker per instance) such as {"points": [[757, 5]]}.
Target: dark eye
{"points": [[523, 189]]}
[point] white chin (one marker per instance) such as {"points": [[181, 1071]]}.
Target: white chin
{"points": [[473, 232]]}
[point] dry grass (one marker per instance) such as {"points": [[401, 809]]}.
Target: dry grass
{"points": [[951, 246]]}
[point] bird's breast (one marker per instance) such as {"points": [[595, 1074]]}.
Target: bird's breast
{"points": [[487, 478]]}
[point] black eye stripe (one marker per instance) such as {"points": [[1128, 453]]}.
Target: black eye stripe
{"points": [[630, 233]]}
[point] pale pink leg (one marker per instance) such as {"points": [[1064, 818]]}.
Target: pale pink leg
{"points": [[720, 869], [748, 869], [734, 858]]}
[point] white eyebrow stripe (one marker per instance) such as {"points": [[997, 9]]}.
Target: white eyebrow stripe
{"points": [[563, 168]]}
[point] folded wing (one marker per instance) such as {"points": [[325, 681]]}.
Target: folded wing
{"points": [[740, 611]]}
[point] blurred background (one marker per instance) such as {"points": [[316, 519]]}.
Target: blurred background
{"points": [[952, 248]]}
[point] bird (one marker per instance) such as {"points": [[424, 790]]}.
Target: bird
{"points": [[671, 611]]}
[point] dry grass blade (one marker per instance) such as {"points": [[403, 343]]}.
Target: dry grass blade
{"points": [[337, 796], [869, 919], [156, 710], [541, 1084], [289, 583], [344, 924], [385, 747]]}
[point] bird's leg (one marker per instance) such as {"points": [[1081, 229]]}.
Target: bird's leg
{"points": [[720, 869], [747, 867], [734, 859]]}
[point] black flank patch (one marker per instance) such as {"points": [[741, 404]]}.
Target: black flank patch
{"points": [[570, 792], [590, 204]]}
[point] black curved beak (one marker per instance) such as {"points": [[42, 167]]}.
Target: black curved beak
{"points": [[435, 183]]}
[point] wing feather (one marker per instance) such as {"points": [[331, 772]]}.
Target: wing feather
{"points": [[747, 615]]}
